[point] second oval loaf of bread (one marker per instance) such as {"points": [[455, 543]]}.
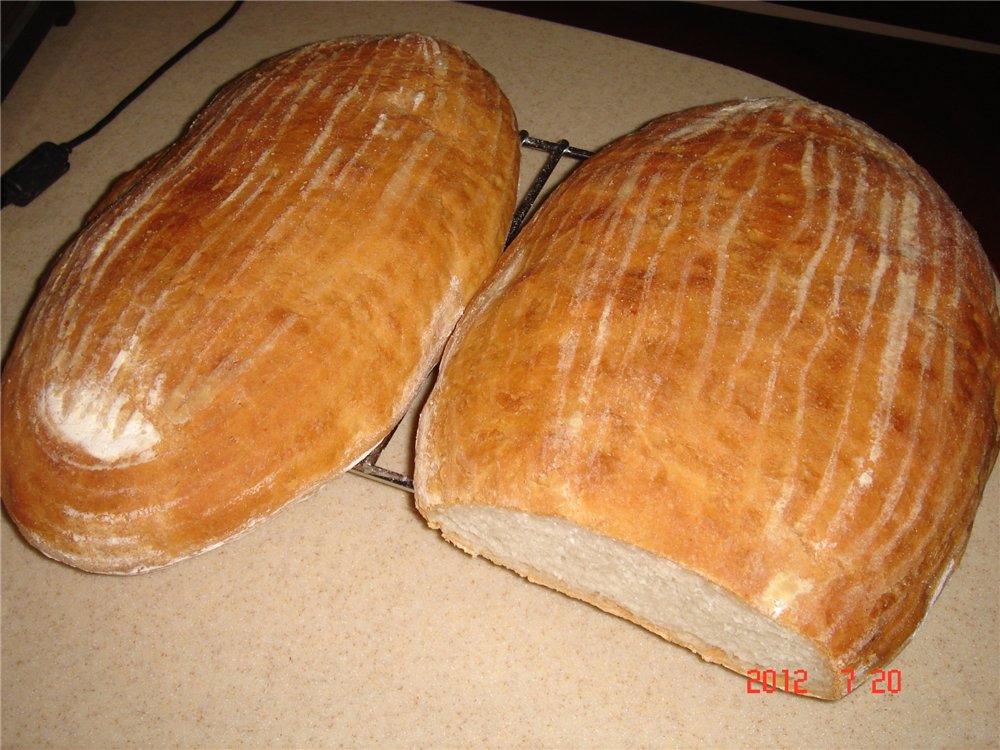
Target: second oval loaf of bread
{"points": [[250, 311], [735, 381]]}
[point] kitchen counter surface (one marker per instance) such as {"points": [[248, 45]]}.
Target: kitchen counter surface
{"points": [[345, 621]]}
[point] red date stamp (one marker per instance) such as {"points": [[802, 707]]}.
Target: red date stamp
{"points": [[883, 681], [771, 680]]}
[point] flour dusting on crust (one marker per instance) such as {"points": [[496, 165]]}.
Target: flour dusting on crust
{"points": [[104, 425]]}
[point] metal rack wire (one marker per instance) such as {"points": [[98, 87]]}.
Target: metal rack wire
{"points": [[556, 151], [368, 467]]}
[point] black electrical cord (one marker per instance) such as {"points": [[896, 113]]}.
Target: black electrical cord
{"points": [[49, 161]]}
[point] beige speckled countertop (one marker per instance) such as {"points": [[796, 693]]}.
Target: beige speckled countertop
{"points": [[345, 621]]}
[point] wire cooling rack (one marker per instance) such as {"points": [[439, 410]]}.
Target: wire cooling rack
{"points": [[369, 466]]}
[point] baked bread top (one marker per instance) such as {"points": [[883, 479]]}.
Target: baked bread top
{"points": [[752, 338], [251, 310]]}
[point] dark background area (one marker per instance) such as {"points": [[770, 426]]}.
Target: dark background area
{"points": [[938, 102], [24, 26]]}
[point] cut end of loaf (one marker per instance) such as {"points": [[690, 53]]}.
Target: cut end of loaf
{"points": [[666, 598], [757, 342]]}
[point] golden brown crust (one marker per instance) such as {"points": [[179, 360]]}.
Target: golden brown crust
{"points": [[252, 309], [754, 338]]}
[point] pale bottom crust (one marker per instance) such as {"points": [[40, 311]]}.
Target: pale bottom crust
{"points": [[655, 593]]}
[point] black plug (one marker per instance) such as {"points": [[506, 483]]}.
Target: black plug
{"points": [[27, 179]]}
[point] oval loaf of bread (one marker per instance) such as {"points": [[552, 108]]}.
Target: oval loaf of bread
{"points": [[251, 310], [736, 381]]}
